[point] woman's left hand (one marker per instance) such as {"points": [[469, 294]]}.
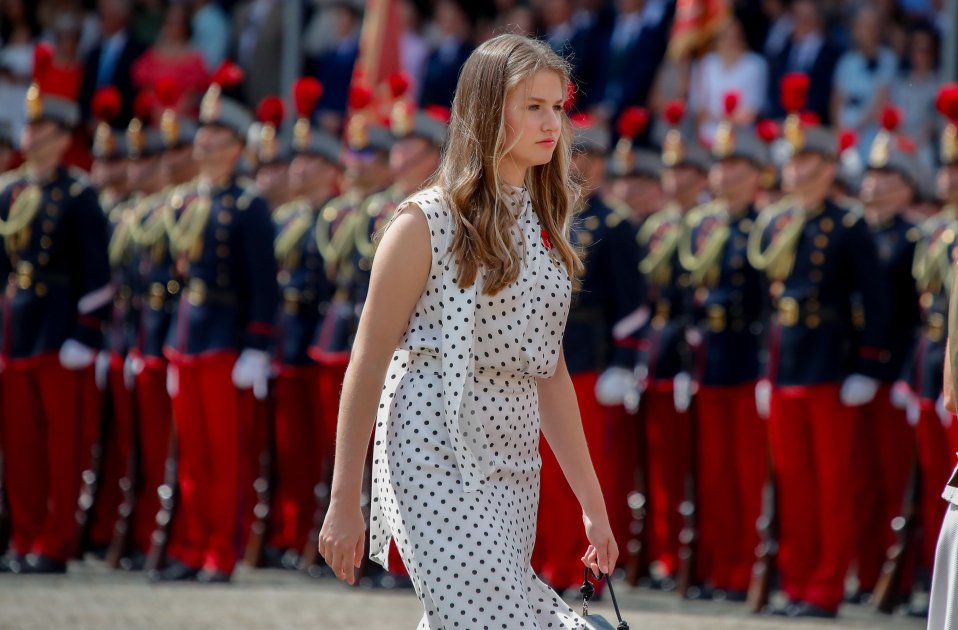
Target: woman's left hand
{"points": [[603, 552]]}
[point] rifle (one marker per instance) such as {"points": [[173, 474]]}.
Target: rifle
{"points": [[169, 497], [310, 558], [130, 486], [888, 590], [636, 566], [766, 552], [90, 477], [259, 530], [688, 537]]}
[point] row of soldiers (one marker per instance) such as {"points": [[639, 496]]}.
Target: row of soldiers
{"points": [[190, 325], [768, 351]]}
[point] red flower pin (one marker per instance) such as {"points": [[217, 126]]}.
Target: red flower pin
{"points": [[545, 239]]}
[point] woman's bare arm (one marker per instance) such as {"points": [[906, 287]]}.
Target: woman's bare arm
{"points": [[399, 274], [562, 427]]}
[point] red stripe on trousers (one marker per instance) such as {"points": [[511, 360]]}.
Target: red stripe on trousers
{"points": [[935, 459], [42, 454], [156, 423], [812, 438], [732, 456]]}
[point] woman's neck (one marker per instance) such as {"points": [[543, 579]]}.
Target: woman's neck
{"points": [[512, 173]]}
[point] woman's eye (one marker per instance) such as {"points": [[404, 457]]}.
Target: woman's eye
{"points": [[557, 108], [533, 108]]}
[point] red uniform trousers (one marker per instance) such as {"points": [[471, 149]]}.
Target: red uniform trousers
{"points": [[812, 436], [44, 408], [732, 458], [330, 379], [669, 457], [884, 449], [213, 430], [617, 466], [299, 436], [560, 537], [935, 457], [155, 426]]}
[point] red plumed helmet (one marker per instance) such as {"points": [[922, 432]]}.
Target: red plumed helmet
{"points": [[439, 112], [846, 140], [794, 91], [674, 112], [143, 105], [228, 75], [398, 84], [107, 103], [633, 122], [360, 96], [306, 93], [731, 102], [271, 111], [42, 61], [768, 131], [167, 92], [947, 101], [890, 119]]}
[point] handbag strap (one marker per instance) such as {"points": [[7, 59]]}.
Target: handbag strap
{"points": [[588, 591]]}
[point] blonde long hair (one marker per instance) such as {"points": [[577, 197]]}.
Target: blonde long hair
{"points": [[468, 170]]}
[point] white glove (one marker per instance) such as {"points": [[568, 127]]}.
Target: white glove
{"points": [[613, 386], [943, 414], [101, 371], [172, 380], [75, 355], [633, 397], [132, 368], [252, 370], [763, 398], [913, 412], [901, 395], [858, 390], [682, 390]]}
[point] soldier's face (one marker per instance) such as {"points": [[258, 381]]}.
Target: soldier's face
{"points": [[177, 164], [413, 152], [140, 172], [807, 172], [307, 171], [734, 179], [885, 191], [272, 179], [108, 173], [947, 183], [214, 144], [43, 141], [683, 182]]}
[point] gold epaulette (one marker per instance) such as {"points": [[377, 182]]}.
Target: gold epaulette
{"points": [[657, 262], [11, 176], [778, 258], [934, 252], [284, 212], [148, 220], [333, 247], [620, 212], [702, 261]]}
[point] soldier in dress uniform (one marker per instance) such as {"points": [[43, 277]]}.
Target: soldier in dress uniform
{"points": [[933, 271], [303, 450], [108, 171], [817, 255], [220, 235], [663, 358], [270, 156], [729, 309], [156, 289], [58, 294], [601, 370], [886, 441], [366, 171]]}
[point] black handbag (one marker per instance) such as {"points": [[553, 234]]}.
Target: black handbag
{"points": [[598, 622]]}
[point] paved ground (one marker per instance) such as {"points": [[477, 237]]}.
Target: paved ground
{"points": [[91, 597]]}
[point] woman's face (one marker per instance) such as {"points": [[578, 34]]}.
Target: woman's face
{"points": [[730, 39], [922, 53], [533, 119], [174, 24]]}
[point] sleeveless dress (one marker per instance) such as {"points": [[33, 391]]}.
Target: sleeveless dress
{"points": [[456, 446]]}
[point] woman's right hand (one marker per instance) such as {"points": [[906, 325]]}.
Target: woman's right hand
{"points": [[342, 539]]}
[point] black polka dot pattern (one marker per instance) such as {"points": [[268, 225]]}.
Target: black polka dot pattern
{"points": [[456, 451]]}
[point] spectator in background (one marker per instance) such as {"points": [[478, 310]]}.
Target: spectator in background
{"points": [[635, 50], [50, 11], [863, 79], [809, 51], [173, 56], [258, 45], [444, 62], [211, 32], [19, 30], [111, 61], [730, 67], [779, 27], [334, 67], [573, 34], [147, 20], [915, 90], [65, 76], [413, 49]]}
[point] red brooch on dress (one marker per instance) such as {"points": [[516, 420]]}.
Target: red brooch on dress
{"points": [[545, 239]]}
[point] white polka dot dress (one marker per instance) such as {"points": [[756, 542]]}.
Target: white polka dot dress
{"points": [[456, 453]]}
